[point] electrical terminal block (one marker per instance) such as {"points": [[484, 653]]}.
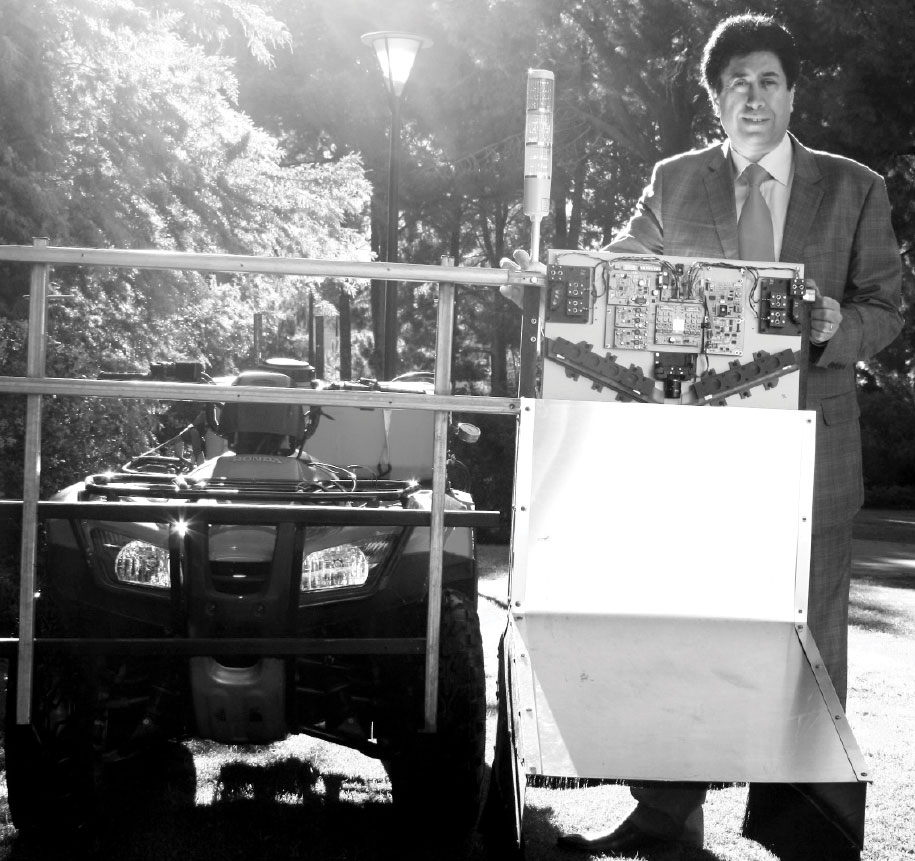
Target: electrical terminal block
{"points": [[780, 300], [763, 370], [603, 371], [570, 291]]}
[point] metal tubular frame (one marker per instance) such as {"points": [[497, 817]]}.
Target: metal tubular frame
{"points": [[133, 259], [439, 480], [35, 385], [35, 369]]}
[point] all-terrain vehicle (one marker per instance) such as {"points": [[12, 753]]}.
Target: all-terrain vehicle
{"points": [[271, 550]]}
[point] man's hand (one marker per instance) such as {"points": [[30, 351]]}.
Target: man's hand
{"points": [[513, 292], [825, 316]]}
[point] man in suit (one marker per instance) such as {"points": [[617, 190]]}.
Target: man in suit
{"points": [[827, 212]]}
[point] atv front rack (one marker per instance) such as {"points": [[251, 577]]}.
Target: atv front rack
{"points": [[314, 515], [363, 492], [36, 385]]}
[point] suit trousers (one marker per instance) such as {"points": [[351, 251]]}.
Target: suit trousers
{"points": [[675, 812]]}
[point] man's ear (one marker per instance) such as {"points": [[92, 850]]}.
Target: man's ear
{"points": [[714, 98]]}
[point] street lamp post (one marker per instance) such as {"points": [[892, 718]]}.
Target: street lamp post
{"points": [[396, 52]]}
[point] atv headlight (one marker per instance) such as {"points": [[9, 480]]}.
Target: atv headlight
{"points": [[136, 556], [347, 564], [141, 563], [344, 565]]}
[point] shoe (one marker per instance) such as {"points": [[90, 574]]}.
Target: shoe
{"points": [[628, 839]]}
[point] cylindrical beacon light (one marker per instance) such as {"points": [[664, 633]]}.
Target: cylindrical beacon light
{"points": [[538, 151]]}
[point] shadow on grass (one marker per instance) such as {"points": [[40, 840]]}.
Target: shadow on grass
{"points": [[881, 563], [884, 549], [284, 809], [882, 587], [872, 613], [879, 525]]}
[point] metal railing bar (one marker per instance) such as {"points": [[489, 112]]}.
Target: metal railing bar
{"points": [[146, 259], [179, 646], [254, 394], [319, 515]]}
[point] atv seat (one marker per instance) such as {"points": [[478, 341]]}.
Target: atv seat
{"points": [[258, 428]]}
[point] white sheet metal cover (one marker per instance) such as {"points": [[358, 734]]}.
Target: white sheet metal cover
{"points": [[638, 509], [642, 698]]}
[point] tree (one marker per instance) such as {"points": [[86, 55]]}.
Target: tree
{"points": [[129, 135]]}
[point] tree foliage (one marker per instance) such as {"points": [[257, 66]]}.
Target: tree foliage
{"points": [[120, 127]]}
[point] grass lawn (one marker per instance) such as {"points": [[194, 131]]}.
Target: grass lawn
{"points": [[304, 799]]}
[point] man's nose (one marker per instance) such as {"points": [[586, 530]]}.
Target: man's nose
{"points": [[754, 95]]}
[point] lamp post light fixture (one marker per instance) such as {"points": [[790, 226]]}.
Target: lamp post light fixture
{"points": [[396, 52]]}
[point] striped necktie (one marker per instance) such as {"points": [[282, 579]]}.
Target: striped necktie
{"points": [[755, 238]]}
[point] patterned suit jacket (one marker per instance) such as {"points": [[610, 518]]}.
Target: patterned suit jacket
{"points": [[838, 225]]}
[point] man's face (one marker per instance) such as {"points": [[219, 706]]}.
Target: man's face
{"points": [[754, 104]]}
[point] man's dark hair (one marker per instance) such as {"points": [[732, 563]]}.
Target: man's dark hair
{"points": [[746, 34]]}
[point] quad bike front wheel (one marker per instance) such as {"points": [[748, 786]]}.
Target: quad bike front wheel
{"points": [[437, 780], [50, 765]]}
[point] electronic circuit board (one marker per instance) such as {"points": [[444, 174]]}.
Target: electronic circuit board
{"points": [[668, 329]]}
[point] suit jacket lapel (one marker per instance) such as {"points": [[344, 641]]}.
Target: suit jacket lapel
{"points": [[806, 194], [719, 186]]}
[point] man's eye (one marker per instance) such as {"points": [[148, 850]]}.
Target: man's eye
{"points": [[738, 83]]}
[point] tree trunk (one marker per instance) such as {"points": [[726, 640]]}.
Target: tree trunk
{"points": [[376, 303], [499, 365], [578, 190], [560, 194], [498, 361], [346, 335]]}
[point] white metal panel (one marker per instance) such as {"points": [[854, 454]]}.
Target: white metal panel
{"points": [[659, 583], [637, 509], [642, 698]]}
